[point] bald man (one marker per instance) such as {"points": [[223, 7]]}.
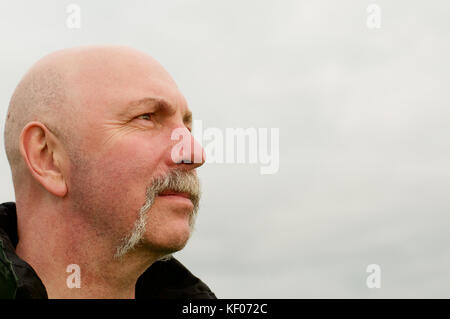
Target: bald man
{"points": [[101, 203]]}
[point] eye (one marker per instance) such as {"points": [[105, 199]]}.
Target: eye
{"points": [[146, 116]]}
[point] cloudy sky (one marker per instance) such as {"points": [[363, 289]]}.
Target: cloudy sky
{"points": [[363, 118]]}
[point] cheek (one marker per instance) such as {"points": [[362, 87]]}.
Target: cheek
{"points": [[137, 158], [114, 185], [128, 164], [120, 184]]}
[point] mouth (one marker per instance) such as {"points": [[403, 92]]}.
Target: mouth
{"points": [[174, 193], [177, 198]]}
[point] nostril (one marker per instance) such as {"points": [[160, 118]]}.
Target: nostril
{"points": [[183, 161]]}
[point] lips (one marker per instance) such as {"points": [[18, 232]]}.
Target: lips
{"points": [[174, 193]]}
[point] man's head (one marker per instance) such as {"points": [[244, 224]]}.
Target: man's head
{"points": [[89, 133]]}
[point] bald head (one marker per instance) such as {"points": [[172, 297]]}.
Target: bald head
{"points": [[61, 88]]}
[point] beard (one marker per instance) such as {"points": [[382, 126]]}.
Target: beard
{"points": [[176, 180]]}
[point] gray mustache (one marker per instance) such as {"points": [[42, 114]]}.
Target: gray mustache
{"points": [[179, 181]]}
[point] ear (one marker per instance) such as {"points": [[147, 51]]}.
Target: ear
{"points": [[44, 156]]}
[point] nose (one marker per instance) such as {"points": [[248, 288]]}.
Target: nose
{"points": [[186, 150]]}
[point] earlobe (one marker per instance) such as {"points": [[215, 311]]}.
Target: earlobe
{"points": [[40, 151]]}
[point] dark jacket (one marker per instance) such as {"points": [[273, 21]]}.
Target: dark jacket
{"points": [[164, 279]]}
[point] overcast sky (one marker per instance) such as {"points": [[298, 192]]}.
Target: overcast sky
{"points": [[363, 116]]}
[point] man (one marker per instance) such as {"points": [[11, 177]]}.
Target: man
{"points": [[99, 189]]}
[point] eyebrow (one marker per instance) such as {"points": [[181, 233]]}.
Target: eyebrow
{"points": [[160, 104]]}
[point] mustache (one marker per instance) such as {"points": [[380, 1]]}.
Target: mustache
{"points": [[178, 181]]}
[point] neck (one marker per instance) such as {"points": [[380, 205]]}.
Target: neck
{"points": [[51, 247]]}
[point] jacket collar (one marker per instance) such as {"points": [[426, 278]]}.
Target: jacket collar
{"points": [[163, 279], [22, 281]]}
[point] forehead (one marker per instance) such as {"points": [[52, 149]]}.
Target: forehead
{"points": [[119, 85], [123, 92]]}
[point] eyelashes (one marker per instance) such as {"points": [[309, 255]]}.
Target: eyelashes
{"points": [[148, 116]]}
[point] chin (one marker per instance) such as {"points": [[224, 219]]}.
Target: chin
{"points": [[168, 242]]}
